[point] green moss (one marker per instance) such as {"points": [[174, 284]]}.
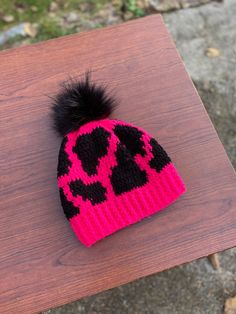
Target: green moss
{"points": [[48, 29], [132, 6]]}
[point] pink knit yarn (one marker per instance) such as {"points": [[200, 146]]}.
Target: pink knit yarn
{"points": [[96, 221]]}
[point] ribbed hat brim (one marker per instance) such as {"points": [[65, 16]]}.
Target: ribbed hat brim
{"points": [[128, 208]]}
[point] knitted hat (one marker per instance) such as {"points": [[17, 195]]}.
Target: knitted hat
{"points": [[111, 174]]}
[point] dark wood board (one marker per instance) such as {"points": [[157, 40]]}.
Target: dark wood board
{"points": [[42, 265]]}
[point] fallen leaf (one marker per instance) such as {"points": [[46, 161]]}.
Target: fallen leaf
{"points": [[34, 8], [213, 52], [214, 260], [20, 10], [52, 14], [8, 18], [86, 7], [230, 306], [31, 30], [53, 7], [72, 17]]}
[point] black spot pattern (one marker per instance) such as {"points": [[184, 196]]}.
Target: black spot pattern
{"points": [[126, 175], [91, 147], [69, 209], [93, 192], [160, 158], [63, 160], [131, 138]]}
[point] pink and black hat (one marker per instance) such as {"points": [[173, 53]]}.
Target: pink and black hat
{"points": [[111, 174]]}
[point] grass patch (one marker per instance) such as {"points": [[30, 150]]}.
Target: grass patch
{"points": [[132, 6], [49, 29], [23, 11], [37, 11], [33, 10]]}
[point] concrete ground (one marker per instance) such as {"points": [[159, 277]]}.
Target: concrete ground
{"points": [[205, 37]]}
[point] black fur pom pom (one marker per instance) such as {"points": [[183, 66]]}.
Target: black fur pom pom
{"points": [[79, 102]]}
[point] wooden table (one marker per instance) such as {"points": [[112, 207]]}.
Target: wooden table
{"points": [[42, 265]]}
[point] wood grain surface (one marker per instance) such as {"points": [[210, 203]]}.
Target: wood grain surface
{"points": [[42, 265]]}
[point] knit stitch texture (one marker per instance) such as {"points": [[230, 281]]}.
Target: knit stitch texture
{"points": [[112, 174]]}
